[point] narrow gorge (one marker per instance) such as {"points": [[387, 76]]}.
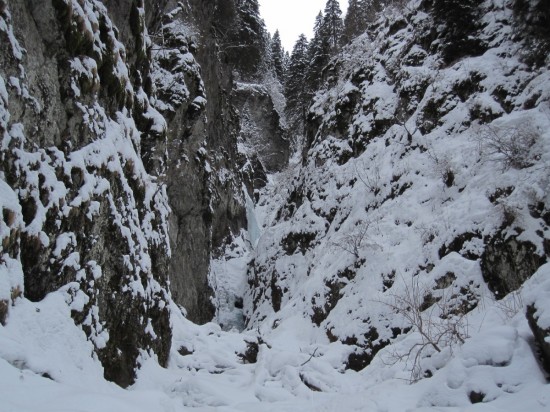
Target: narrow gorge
{"points": [[194, 219]]}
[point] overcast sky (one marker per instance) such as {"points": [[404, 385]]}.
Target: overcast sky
{"points": [[293, 17]]}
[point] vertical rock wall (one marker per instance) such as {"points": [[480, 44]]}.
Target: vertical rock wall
{"points": [[93, 222], [120, 170], [205, 171]]}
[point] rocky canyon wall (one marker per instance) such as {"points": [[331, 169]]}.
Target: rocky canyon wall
{"points": [[120, 168]]}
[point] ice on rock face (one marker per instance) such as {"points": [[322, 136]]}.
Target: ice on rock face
{"points": [[254, 231]]}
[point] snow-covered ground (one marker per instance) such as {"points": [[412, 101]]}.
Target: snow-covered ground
{"points": [[46, 364]]}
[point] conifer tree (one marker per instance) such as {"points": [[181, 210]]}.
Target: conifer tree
{"points": [[247, 42], [318, 55], [459, 22], [368, 10], [286, 62], [333, 26], [249, 11], [359, 14], [352, 21], [277, 56], [295, 87]]}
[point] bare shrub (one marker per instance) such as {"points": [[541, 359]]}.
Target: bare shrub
{"points": [[370, 177], [352, 242], [401, 120], [443, 166], [510, 145], [427, 233], [511, 305], [16, 293], [507, 307], [355, 240], [440, 324]]}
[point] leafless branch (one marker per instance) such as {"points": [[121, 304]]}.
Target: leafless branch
{"points": [[311, 357], [439, 324], [511, 145]]}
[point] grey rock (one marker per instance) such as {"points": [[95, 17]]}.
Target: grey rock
{"points": [[542, 336], [507, 263]]}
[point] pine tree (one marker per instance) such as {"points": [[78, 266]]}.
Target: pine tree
{"points": [[318, 55], [327, 35], [286, 62], [295, 87], [352, 21], [368, 10], [247, 42], [249, 13], [459, 21], [277, 55], [333, 26]]}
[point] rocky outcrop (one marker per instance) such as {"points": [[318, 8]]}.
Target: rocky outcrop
{"points": [[194, 81], [542, 336], [184, 163], [119, 153], [538, 315], [206, 169], [507, 264], [261, 126], [94, 222], [408, 180]]}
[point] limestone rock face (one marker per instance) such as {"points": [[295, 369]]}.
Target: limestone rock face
{"points": [[120, 169], [507, 264], [538, 315], [542, 336], [261, 127], [79, 137], [205, 170], [93, 223]]}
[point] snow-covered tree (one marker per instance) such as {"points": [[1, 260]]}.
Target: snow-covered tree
{"points": [[327, 34], [246, 43], [318, 54], [277, 55], [286, 61], [457, 22], [333, 25], [352, 21], [295, 85], [249, 13]]}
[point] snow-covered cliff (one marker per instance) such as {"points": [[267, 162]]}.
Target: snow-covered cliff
{"points": [[82, 216], [120, 165], [424, 183]]}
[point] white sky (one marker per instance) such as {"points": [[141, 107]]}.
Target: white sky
{"points": [[293, 17]]}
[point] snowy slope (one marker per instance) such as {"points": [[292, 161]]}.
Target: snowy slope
{"points": [[425, 185], [385, 195]]}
